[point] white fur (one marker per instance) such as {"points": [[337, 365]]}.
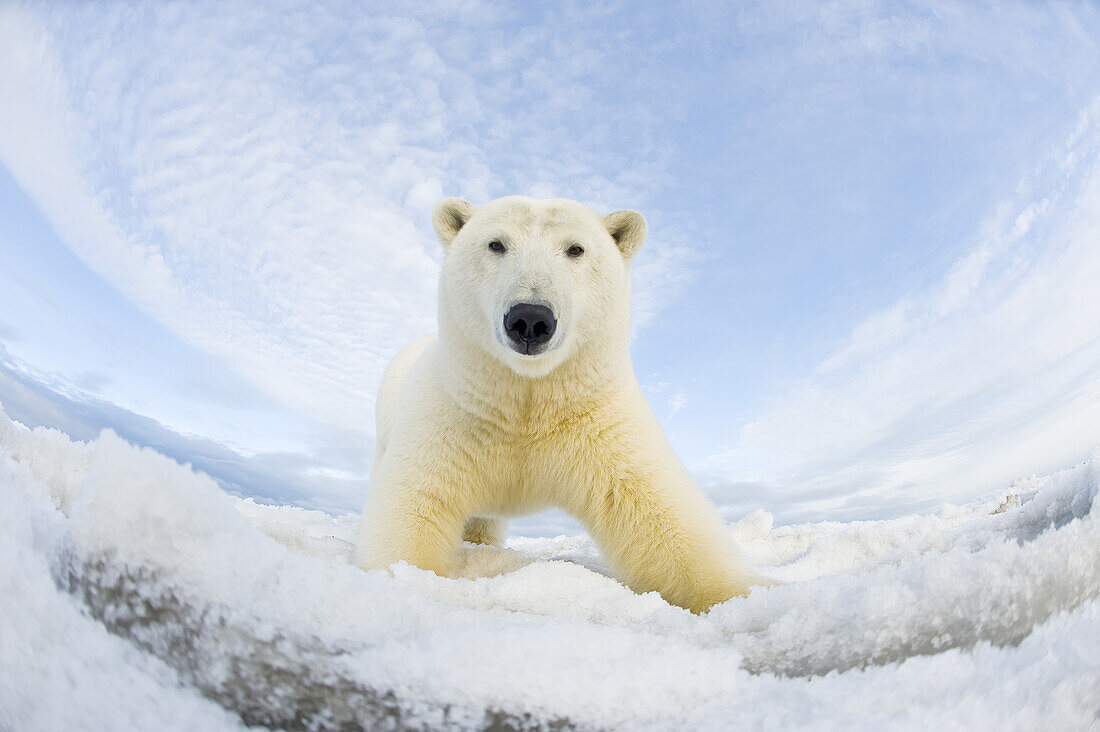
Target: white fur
{"points": [[471, 432]]}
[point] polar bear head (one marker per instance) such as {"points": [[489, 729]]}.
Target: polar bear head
{"points": [[535, 281]]}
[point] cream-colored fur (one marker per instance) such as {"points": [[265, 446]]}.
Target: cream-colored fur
{"points": [[471, 432]]}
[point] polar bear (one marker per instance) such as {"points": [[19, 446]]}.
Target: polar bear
{"points": [[527, 399]]}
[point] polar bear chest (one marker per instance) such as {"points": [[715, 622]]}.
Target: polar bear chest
{"points": [[519, 467]]}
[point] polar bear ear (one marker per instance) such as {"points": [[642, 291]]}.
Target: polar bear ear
{"points": [[628, 229], [449, 216]]}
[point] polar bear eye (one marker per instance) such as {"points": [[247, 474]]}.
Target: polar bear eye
{"points": [[575, 251], [496, 246]]}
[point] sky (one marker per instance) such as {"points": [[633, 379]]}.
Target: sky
{"points": [[870, 284]]}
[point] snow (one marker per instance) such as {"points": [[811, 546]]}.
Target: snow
{"points": [[136, 594]]}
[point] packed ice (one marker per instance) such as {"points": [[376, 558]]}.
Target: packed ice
{"points": [[136, 594]]}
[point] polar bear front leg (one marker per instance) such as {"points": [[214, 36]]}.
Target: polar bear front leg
{"points": [[660, 533], [420, 524]]}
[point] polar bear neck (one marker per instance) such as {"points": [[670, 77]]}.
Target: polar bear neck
{"points": [[486, 388]]}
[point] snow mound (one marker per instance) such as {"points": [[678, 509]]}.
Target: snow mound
{"points": [[134, 593]]}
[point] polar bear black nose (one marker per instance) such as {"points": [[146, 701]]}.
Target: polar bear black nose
{"points": [[529, 326]]}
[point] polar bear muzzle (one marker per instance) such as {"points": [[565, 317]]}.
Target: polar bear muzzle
{"points": [[529, 327]]}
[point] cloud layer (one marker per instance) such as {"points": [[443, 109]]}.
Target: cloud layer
{"points": [[992, 373], [331, 480], [260, 179]]}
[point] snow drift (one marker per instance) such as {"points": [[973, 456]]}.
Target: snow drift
{"points": [[134, 593]]}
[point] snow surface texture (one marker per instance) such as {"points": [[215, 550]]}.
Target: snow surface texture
{"points": [[135, 594]]}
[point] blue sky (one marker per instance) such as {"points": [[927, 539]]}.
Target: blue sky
{"points": [[869, 285]]}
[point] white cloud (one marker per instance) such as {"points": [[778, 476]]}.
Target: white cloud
{"points": [[39, 140], [259, 180], [675, 403], [992, 373]]}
